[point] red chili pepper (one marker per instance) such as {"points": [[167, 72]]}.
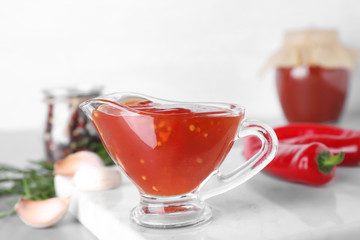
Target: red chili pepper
{"points": [[306, 163], [335, 138], [311, 129]]}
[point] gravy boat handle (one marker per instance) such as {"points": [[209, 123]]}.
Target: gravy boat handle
{"points": [[221, 182]]}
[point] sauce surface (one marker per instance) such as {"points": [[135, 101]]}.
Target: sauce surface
{"points": [[167, 150]]}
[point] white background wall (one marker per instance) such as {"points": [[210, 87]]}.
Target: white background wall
{"points": [[195, 50]]}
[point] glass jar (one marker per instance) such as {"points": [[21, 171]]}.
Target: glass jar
{"points": [[67, 128], [312, 75], [311, 93]]}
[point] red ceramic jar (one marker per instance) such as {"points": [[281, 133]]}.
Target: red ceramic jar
{"points": [[312, 93]]}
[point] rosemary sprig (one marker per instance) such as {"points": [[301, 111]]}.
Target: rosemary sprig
{"points": [[8, 212]]}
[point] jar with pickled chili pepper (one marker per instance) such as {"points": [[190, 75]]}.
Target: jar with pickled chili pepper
{"points": [[67, 128], [312, 75]]}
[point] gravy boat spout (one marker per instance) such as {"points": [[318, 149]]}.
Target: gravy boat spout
{"points": [[115, 100]]}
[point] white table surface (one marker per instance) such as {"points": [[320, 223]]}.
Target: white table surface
{"points": [[262, 208]]}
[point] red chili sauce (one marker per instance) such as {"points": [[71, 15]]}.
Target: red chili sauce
{"points": [[314, 95], [167, 151]]}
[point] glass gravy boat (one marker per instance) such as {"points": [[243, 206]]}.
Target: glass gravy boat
{"points": [[170, 150]]}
